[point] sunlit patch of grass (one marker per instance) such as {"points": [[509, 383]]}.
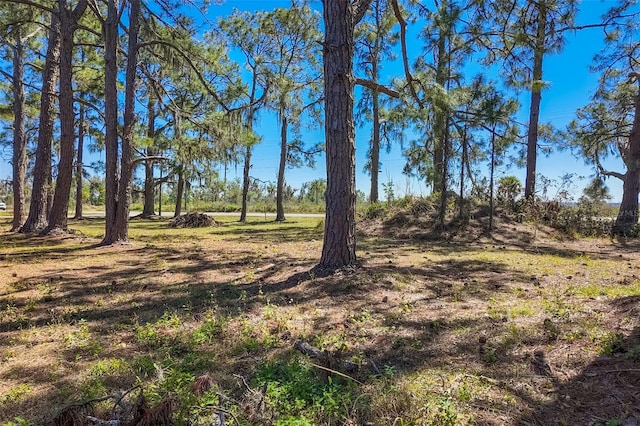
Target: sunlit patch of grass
{"points": [[80, 340], [496, 309], [211, 328], [620, 289], [429, 397], [557, 302], [16, 393], [522, 308]]}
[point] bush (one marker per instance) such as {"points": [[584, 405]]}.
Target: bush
{"points": [[374, 211]]}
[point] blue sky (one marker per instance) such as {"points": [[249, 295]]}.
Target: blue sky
{"points": [[570, 87], [571, 84]]}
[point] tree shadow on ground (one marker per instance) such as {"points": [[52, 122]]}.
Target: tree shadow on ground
{"points": [[273, 233], [433, 317], [605, 392]]}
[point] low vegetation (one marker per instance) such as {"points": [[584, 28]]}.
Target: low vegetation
{"points": [[523, 325]]}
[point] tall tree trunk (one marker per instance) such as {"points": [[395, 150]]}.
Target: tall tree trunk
{"points": [[375, 141], [179, 192], [491, 175], [339, 245], [126, 161], [245, 183], [442, 140], [375, 104], [60, 208], [79, 159], [628, 213], [282, 167], [536, 99], [19, 134], [149, 182], [38, 209], [110, 33], [118, 230], [463, 163]]}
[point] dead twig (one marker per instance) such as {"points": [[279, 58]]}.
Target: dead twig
{"points": [[338, 373]]}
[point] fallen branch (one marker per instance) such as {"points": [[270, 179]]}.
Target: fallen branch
{"points": [[330, 370], [311, 351]]}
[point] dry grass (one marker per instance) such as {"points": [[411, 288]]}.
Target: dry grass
{"points": [[518, 327]]}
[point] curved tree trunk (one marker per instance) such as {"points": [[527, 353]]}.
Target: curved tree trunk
{"points": [[38, 209], [628, 213], [282, 167], [339, 245], [19, 135]]}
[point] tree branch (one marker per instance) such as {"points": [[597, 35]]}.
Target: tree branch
{"points": [[605, 172], [376, 87], [149, 158], [33, 4], [359, 9], [405, 59]]}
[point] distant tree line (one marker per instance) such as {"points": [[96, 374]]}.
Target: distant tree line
{"points": [[168, 95]]}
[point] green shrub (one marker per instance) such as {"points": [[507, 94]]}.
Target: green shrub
{"points": [[295, 389]]}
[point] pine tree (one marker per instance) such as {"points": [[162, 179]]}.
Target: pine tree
{"points": [[339, 244]]}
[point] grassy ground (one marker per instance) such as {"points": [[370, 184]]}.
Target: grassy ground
{"points": [[520, 327]]}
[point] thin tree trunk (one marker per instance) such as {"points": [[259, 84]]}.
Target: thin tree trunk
{"points": [[110, 31], [375, 142], [38, 209], [536, 99], [375, 101], [160, 193], [245, 183], [79, 159], [444, 187], [628, 213], [463, 163], [149, 183], [50, 191], [148, 209], [179, 192], [60, 207], [339, 245], [441, 127], [282, 167], [19, 134], [491, 175]]}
